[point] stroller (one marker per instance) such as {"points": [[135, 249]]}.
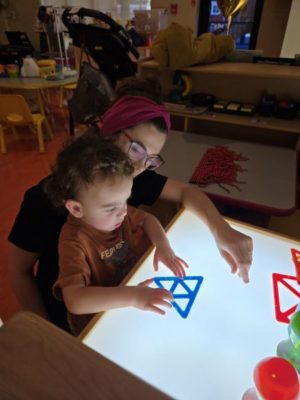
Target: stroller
{"points": [[111, 47]]}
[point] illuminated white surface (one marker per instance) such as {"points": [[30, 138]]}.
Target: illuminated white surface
{"points": [[231, 326], [270, 176]]}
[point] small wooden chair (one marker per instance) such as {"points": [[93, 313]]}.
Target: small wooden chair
{"points": [[70, 87], [14, 112]]}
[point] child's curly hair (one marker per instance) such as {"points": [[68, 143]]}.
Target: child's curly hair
{"points": [[80, 163]]}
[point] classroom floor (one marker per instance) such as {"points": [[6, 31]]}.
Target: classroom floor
{"points": [[24, 166], [20, 168]]}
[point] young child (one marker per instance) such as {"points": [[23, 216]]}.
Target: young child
{"points": [[103, 237]]}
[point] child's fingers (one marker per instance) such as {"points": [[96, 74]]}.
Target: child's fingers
{"points": [[177, 267], [159, 302], [162, 303], [155, 262], [164, 294], [183, 262], [179, 271], [147, 282], [155, 309]]}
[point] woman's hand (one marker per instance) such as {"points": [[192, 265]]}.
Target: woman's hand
{"points": [[237, 249], [151, 299], [166, 255]]}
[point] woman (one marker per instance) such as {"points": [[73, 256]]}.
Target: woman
{"points": [[139, 126]]}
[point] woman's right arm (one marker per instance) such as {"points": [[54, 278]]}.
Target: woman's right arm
{"points": [[21, 274]]}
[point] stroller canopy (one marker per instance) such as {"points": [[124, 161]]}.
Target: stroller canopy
{"points": [[109, 45]]}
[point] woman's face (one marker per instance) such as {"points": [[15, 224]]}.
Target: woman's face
{"points": [[150, 139]]}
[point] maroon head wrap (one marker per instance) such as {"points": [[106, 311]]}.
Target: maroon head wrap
{"points": [[131, 110]]}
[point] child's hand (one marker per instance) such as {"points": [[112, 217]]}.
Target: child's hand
{"points": [[167, 256], [151, 299]]}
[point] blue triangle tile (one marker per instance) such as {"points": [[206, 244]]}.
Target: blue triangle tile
{"points": [[182, 284]]}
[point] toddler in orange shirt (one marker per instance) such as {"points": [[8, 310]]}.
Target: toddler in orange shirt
{"points": [[103, 237]]}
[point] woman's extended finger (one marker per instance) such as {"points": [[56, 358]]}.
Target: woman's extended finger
{"points": [[244, 272], [240, 264], [230, 260]]}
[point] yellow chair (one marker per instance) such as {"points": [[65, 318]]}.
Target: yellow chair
{"points": [[79, 56], [14, 112], [46, 67], [70, 87]]}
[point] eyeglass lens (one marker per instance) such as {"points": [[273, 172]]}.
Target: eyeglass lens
{"points": [[137, 153]]}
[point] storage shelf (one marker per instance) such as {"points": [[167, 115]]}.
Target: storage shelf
{"points": [[244, 69], [243, 83], [256, 121]]}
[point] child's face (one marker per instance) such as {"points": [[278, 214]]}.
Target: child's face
{"points": [[104, 203]]}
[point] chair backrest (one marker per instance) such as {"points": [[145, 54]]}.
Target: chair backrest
{"points": [[46, 67], [14, 110]]}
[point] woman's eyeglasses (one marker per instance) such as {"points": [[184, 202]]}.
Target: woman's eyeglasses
{"points": [[137, 152]]}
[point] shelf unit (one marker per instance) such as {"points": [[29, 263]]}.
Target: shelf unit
{"points": [[242, 82], [256, 121]]}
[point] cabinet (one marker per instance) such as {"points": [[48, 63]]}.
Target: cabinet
{"points": [[242, 82]]}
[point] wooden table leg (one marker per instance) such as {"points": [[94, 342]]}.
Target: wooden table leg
{"points": [[42, 109], [71, 125]]}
